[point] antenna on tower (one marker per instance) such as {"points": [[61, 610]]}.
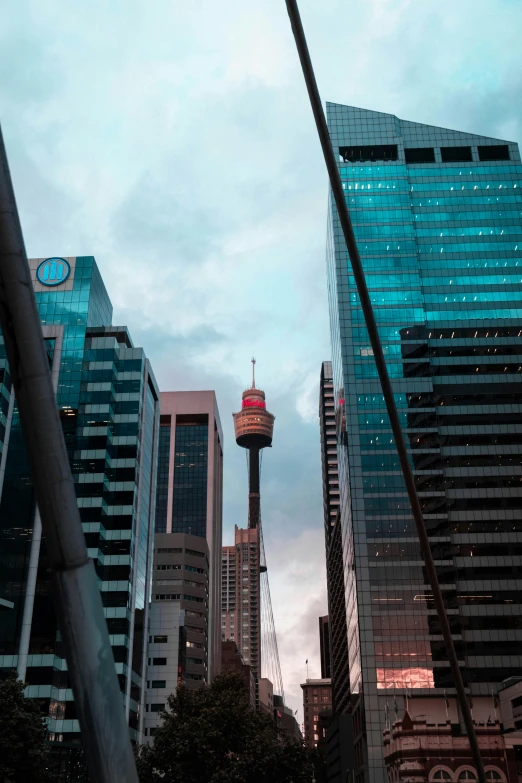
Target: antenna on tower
{"points": [[253, 373]]}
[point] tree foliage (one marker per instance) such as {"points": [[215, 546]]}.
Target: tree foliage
{"points": [[212, 735], [24, 750]]}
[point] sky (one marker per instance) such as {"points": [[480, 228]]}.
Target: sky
{"points": [[174, 142]]}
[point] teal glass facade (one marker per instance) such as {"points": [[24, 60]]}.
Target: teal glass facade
{"points": [[437, 215], [109, 407]]}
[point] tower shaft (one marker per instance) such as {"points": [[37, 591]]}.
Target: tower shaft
{"points": [[254, 496]]}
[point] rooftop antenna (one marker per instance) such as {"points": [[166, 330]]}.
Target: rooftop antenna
{"points": [[253, 372]]}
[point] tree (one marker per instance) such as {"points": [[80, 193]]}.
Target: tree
{"points": [[24, 750], [212, 735]]}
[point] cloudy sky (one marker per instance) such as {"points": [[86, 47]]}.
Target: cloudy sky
{"points": [[174, 142]]}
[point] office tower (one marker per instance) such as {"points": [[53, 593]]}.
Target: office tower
{"points": [[241, 607], [109, 407], [437, 219], [189, 495], [179, 618], [338, 635], [317, 696], [324, 646]]}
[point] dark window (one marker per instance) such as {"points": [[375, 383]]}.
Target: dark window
{"points": [[158, 684], [497, 152], [189, 504], [456, 154], [162, 486], [420, 155], [160, 639], [159, 661], [370, 152], [157, 707], [169, 550], [516, 702], [194, 553]]}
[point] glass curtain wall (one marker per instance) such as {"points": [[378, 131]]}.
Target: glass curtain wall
{"points": [[437, 216]]}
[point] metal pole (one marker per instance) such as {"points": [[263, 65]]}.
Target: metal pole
{"points": [[34, 557], [97, 695], [371, 325]]}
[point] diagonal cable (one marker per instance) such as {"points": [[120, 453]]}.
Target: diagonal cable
{"points": [[371, 325]]}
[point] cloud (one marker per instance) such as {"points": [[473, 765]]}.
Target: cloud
{"points": [[175, 142], [298, 582]]}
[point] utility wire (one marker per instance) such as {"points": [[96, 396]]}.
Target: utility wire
{"points": [[270, 651], [387, 390]]}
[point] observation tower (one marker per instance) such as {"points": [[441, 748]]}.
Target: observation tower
{"points": [[250, 591], [254, 427]]}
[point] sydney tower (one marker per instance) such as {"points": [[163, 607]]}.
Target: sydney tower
{"points": [[254, 427]]}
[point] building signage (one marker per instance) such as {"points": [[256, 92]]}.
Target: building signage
{"points": [[53, 271], [254, 404]]}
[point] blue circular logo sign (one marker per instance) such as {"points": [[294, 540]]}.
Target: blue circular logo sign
{"points": [[53, 271]]}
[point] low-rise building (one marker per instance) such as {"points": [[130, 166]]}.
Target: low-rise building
{"points": [[317, 696], [429, 743], [178, 648], [232, 661], [265, 696]]}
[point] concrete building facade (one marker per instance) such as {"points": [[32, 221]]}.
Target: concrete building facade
{"points": [[232, 661], [241, 613], [317, 696], [265, 696], [178, 649], [190, 488], [335, 639]]}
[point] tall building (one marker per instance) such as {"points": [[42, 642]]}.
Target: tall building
{"points": [[179, 618], [189, 497], [337, 630], [241, 607], [437, 218], [317, 696], [109, 407], [254, 427], [324, 646]]}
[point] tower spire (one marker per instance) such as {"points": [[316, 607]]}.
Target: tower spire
{"points": [[253, 372]]}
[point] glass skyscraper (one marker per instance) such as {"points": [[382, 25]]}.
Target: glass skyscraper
{"points": [[109, 407], [437, 215]]}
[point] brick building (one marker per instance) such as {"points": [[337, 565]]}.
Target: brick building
{"points": [[317, 696]]}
